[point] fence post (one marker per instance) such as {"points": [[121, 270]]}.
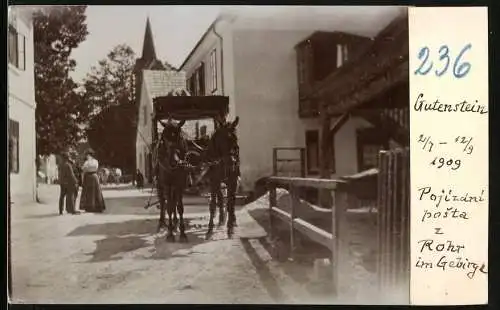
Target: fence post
{"points": [[275, 161], [340, 197], [293, 205], [383, 221], [272, 203], [405, 213]]}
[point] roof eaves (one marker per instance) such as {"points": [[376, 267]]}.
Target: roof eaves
{"points": [[212, 25]]}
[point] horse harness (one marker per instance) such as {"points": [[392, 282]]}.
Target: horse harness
{"points": [[228, 163]]}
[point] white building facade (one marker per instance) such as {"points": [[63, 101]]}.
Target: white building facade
{"points": [[21, 106], [248, 54], [155, 83]]}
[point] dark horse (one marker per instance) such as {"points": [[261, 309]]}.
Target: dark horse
{"points": [[224, 167], [171, 177]]}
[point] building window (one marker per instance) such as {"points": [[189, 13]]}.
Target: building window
{"points": [[13, 146], [312, 151], [369, 153], [213, 70], [17, 47], [197, 130], [192, 85], [189, 86], [341, 55], [196, 83], [344, 54], [201, 79], [203, 131], [370, 143]]}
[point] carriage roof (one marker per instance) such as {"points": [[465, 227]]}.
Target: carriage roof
{"points": [[190, 107]]}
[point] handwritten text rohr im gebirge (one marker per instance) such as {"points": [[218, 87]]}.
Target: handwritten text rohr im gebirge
{"points": [[444, 262]]}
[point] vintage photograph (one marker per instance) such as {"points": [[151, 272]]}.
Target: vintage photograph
{"points": [[208, 154]]}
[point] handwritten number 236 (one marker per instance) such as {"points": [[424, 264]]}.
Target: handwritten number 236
{"points": [[460, 69]]}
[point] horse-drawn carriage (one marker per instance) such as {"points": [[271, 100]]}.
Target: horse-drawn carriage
{"points": [[178, 159]]}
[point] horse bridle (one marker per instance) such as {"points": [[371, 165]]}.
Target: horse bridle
{"points": [[181, 163]]}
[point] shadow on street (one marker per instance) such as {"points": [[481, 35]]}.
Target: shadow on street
{"points": [[42, 216], [134, 205], [122, 187], [132, 235], [131, 227]]}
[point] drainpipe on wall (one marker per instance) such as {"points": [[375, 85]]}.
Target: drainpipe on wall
{"points": [[221, 54], [221, 58]]}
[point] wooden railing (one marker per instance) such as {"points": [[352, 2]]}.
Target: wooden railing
{"points": [[300, 160], [328, 239], [385, 190], [401, 116], [394, 122]]}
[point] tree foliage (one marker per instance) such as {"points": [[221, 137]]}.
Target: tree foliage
{"points": [[110, 83], [60, 108], [109, 88], [112, 135]]}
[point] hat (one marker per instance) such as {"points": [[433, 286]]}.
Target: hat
{"points": [[90, 152]]}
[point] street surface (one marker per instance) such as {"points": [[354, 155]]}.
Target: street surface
{"points": [[117, 257]]}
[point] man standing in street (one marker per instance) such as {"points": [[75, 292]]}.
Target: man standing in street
{"points": [[69, 185]]}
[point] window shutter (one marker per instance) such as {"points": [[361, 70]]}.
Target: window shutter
{"points": [[21, 55], [201, 77], [312, 149], [213, 69], [12, 45], [345, 57], [339, 55], [14, 146]]}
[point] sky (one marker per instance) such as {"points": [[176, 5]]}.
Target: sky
{"points": [[109, 26], [177, 29]]}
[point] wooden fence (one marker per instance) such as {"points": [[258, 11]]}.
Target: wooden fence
{"points": [[391, 195], [393, 219], [328, 239]]}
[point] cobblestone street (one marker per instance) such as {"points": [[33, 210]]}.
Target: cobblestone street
{"points": [[117, 257]]}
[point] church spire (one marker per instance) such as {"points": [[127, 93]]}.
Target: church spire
{"points": [[148, 49]]}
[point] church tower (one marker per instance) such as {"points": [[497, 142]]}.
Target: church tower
{"points": [[148, 61]]}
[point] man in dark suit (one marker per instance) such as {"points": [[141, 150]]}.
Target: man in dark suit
{"points": [[69, 185]]}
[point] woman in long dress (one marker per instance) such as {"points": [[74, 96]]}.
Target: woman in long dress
{"points": [[91, 199]]}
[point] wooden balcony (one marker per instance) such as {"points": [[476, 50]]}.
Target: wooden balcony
{"points": [[318, 56], [381, 67], [394, 123], [308, 108]]}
